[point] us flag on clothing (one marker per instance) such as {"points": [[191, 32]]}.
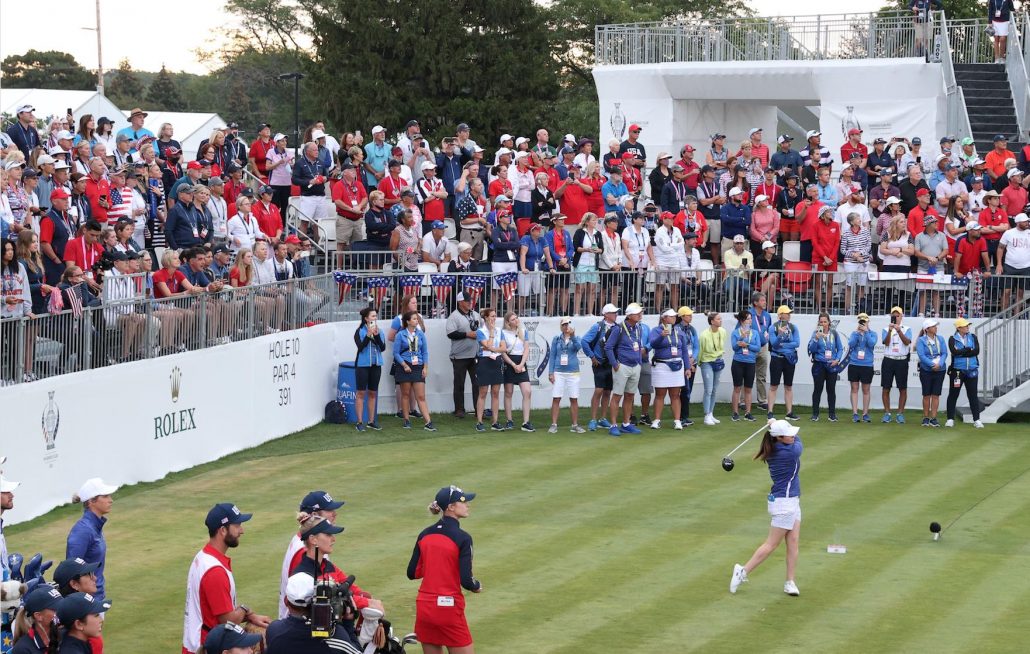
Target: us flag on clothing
{"points": [[508, 282], [377, 288], [474, 286], [442, 285], [410, 284], [344, 281]]}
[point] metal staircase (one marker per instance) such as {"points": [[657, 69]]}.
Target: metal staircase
{"points": [[988, 102]]}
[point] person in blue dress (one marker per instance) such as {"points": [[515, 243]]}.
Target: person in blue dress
{"points": [[781, 450], [933, 362], [746, 342], [825, 348], [861, 345]]}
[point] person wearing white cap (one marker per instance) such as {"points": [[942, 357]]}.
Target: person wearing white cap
{"points": [[86, 538], [781, 450], [670, 354], [624, 348], [1014, 259], [7, 488], [815, 154], [377, 153], [933, 359]]}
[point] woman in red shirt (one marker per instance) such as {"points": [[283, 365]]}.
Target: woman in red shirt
{"points": [[691, 220], [501, 185], [572, 193], [174, 311], [993, 223], [593, 178], [442, 559]]}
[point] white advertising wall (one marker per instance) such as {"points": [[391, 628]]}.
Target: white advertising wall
{"points": [[141, 421]]}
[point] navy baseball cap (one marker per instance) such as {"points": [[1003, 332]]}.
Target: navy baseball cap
{"points": [[266, 189], [41, 598], [1000, 137], [322, 527], [917, 141], [78, 605], [229, 636], [320, 500], [450, 494], [439, 224], [225, 514], [247, 192]]}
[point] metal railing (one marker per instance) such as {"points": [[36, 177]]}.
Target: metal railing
{"points": [[793, 38], [1017, 65], [144, 328], [1004, 355], [969, 41], [958, 113]]}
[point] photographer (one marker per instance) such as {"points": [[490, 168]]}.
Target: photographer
{"points": [[861, 343], [292, 634]]}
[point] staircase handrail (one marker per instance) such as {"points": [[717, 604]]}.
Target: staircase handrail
{"points": [[1016, 67], [958, 114], [1004, 355]]}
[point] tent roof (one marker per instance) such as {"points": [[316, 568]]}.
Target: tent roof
{"points": [[54, 102]]}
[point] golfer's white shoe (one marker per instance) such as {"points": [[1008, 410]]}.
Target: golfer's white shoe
{"points": [[791, 589], [709, 420], [739, 577], [978, 424], [949, 423]]}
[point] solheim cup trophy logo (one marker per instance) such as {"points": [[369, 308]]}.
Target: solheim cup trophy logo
{"points": [[51, 421], [618, 122], [176, 378], [849, 121]]}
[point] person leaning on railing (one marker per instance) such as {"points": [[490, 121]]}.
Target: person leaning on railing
{"points": [[119, 308]]}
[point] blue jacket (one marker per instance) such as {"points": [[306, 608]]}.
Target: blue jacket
{"points": [[862, 347], [752, 344], [691, 343], [449, 169], [86, 542], [964, 352], [818, 346], [305, 170], [403, 352], [930, 350], [549, 241], [618, 190], [662, 345], [762, 323], [370, 348], [625, 346], [180, 224], [594, 340], [560, 346], [785, 469], [736, 219], [782, 345]]}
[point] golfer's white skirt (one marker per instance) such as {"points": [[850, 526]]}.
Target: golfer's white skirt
{"points": [[785, 511], [663, 377]]}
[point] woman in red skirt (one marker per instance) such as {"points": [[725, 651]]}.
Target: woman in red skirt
{"points": [[443, 561]]}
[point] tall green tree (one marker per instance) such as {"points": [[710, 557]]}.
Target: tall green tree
{"points": [[46, 70], [164, 93], [125, 88]]}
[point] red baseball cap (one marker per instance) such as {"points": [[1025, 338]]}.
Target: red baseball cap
{"points": [[292, 238], [194, 165], [668, 214], [634, 127], [853, 131], [628, 155], [922, 192], [688, 148], [59, 194]]}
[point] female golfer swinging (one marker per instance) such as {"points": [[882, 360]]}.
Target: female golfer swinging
{"points": [[443, 561], [781, 450]]}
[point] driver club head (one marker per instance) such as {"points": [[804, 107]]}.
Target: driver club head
{"points": [[935, 529], [727, 464]]}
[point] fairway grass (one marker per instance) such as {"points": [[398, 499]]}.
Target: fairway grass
{"points": [[587, 543]]}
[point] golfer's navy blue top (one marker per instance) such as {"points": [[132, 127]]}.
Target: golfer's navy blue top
{"points": [[625, 345], [964, 352], [752, 344], [785, 469], [86, 542], [862, 346], [292, 635], [691, 343]]}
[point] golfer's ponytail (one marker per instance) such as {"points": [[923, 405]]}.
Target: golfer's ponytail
{"points": [[765, 449]]}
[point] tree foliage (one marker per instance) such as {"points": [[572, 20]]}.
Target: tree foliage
{"points": [[164, 93], [125, 88], [46, 70], [953, 9]]}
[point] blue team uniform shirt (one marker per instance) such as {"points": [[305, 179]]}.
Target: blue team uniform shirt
{"points": [[785, 469], [861, 349]]}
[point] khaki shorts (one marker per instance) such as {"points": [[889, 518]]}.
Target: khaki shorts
{"points": [[349, 231], [714, 231], [625, 380]]}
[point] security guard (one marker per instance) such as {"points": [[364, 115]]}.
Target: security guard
{"points": [[292, 634]]}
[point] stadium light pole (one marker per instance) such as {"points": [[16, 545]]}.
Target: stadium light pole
{"points": [[100, 57], [296, 77]]}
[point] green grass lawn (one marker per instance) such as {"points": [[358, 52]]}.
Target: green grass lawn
{"points": [[595, 544]]}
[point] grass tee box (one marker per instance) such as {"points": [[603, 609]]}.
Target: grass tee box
{"points": [[587, 543]]}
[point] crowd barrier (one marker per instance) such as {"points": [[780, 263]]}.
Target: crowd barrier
{"points": [[193, 407]]}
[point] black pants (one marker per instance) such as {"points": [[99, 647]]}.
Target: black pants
{"points": [[688, 387], [281, 199], [821, 376], [462, 367], [953, 392]]}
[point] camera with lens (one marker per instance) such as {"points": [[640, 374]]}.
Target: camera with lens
{"points": [[332, 603]]}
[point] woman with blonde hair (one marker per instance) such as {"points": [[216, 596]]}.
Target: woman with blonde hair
{"points": [[35, 624], [241, 275], [408, 303], [489, 368], [516, 369]]}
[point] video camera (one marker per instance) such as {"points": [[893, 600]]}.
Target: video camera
{"points": [[332, 602]]}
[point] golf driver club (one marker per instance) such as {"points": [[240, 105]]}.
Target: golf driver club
{"points": [[727, 461]]}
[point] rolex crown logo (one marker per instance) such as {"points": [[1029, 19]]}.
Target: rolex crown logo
{"points": [[176, 378]]}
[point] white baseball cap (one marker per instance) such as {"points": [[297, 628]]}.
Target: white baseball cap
{"points": [[280, 136], [761, 198], [893, 200], [754, 130], [6, 485], [65, 134], [61, 165], [633, 309], [669, 313], [569, 138], [95, 487], [427, 165], [505, 137], [24, 108], [739, 238], [1021, 218], [45, 160], [1015, 172], [300, 589], [930, 322], [503, 151], [56, 150], [521, 155], [378, 128], [319, 134], [609, 308], [735, 191], [768, 244], [520, 140], [972, 224], [783, 428], [812, 132]]}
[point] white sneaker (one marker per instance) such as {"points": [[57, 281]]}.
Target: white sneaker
{"points": [[709, 420], [949, 423], [677, 425], [739, 577], [656, 424], [553, 429], [717, 421], [978, 424], [791, 589]]}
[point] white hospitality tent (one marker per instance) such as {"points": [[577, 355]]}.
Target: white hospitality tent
{"points": [[54, 103], [189, 129]]}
